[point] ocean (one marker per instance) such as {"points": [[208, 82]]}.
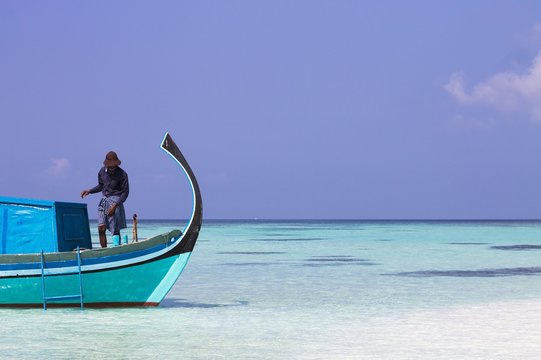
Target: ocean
{"points": [[318, 290]]}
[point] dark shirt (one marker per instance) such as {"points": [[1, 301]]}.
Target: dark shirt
{"points": [[112, 183]]}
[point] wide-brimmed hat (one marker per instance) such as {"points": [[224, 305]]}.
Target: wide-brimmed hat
{"points": [[111, 159]]}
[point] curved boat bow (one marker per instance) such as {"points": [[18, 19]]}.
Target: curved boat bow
{"points": [[194, 225]]}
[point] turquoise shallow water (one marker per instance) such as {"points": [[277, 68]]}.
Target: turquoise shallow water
{"points": [[319, 289]]}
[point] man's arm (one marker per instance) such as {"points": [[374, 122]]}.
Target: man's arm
{"points": [[124, 188], [95, 189]]}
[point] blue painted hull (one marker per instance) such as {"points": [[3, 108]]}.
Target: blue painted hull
{"points": [[144, 284]]}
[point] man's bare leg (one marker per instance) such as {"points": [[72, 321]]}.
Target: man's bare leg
{"points": [[103, 236]]}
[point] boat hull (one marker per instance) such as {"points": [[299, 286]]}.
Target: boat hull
{"points": [[143, 284]]}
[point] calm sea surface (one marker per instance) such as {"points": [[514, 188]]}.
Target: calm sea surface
{"points": [[318, 290]]}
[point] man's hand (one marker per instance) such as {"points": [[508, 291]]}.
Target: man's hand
{"points": [[112, 210], [84, 193]]}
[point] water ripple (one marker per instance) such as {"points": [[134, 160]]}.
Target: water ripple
{"points": [[182, 303], [337, 260], [517, 247], [251, 252], [521, 271], [468, 243], [288, 239]]}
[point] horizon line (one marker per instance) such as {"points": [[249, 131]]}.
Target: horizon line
{"points": [[343, 219]]}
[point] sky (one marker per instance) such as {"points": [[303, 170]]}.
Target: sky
{"points": [[304, 109]]}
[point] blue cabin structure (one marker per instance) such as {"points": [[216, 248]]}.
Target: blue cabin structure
{"points": [[32, 226]]}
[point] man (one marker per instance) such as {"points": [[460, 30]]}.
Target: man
{"points": [[113, 183]]}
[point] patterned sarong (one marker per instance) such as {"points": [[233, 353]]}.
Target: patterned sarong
{"points": [[118, 220]]}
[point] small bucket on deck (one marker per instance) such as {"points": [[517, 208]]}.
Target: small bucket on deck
{"points": [[116, 240]]}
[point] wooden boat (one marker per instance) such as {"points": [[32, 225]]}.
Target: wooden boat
{"points": [[135, 274]]}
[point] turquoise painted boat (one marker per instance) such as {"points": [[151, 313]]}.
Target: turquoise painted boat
{"points": [[135, 274]]}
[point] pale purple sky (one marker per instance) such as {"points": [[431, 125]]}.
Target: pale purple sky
{"points": [[284, 109]]}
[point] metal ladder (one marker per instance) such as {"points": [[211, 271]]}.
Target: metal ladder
{"points": [[62, 297]]}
